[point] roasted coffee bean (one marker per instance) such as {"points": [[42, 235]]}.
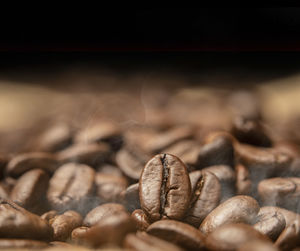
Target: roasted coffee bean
{"points": [[22, 244], [178, 233], [102, 211], [49, 215], [143, 241], [258, 245], [243, 180], [165, 188], [227, 178], [109, 187], [289, 216], [91, 154], [165, 139], [238, 209], [270, 224], [250, 131], [17, 222], [111, 230], [289, 238], [30, 190], [131, 161], [230, 237], [131, 197], [217, 150], [281, 192], [64, 224], [78, 235], [55, 138], [206, 195], [187, 151], [27, 161], [103, 131], [141, 219], [71, 187]]}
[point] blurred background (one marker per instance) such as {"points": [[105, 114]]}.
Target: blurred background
{"points": [[148, 66]]}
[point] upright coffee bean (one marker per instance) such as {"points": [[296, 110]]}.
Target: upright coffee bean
{"points": [[165, 188], [206, 195], [238, 209], [71, 187]]}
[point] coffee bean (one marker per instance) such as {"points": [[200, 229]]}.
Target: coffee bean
{"points": [[243, 180], [281, 192], [143, 241], [64, 224], [30, 190], [71, 187], [258, 245], [227, 178], [206, 195], [110, 230], [27, 161], [238, 209], [178, 233], [101, 132], [131, 161], [162, 140], [217, 150], [288, 215], [17, 222], [141, 219], [91, 154], [16, 244], [55, 138], [110, 187], [49, 215], [250, 131], [289, 238], [101, 212], [232, 236], [78, 235], [165, 188], [270, 224], [131, 197]]}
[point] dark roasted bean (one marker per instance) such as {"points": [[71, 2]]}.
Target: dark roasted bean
{"points": [[165, 188], [179, 233], [217, 150], [90, 154], [30, 190], [28, 161], [141, 219], [206, 195], [238, 209], [64, 224], [17, 222], [71, 187], [270, 224], [250, 131], [102, 211]]}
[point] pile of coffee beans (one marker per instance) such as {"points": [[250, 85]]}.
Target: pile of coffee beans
{"points": [[164, 186]]}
